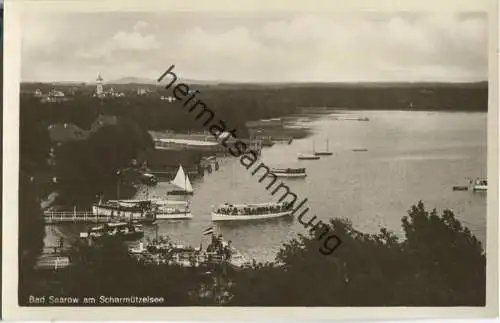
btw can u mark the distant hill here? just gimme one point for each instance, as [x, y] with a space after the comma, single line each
[140, 80]
[146, 81]
[394, 85]
[248, 85]
[132, 80]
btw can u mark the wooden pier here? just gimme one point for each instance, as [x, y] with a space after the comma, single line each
[169, 172]
[52, 262]
[75, 217]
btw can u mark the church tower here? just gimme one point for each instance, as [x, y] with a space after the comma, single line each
[99, 86]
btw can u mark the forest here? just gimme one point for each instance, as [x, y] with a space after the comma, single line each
[237, 104]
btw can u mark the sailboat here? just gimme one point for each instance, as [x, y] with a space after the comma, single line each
[181, 181]
[305, 156]
[324, 153]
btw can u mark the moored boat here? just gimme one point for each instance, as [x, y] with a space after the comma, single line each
[308, 156]
[125, 210]
[238, 212]
[303, 156]
[480, 184]
[179, 192]
[122, 230]
[289, 172]
[165, 252]
[323, 153]
[326, 152]
[163, 209]
[172, 210]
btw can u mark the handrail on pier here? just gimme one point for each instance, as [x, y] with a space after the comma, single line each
[73, 216]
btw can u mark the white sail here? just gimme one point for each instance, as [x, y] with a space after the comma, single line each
[181, 180]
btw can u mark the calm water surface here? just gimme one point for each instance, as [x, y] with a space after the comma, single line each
[411, 156]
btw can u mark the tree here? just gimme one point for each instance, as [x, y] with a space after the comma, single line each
[440, 263]
[90, 167]
[34, 141]
[31, 232]
[448, 258]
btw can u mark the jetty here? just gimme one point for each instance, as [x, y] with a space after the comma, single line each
[52, 262]
[54, 257]
[52, 217]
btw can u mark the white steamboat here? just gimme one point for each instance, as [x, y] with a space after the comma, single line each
[239, 212]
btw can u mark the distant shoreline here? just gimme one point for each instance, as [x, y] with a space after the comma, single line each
[244, 85]
[272, 100]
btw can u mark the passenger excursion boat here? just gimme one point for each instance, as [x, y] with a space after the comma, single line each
[125, 209]
[235, 212]
[122, 230]
[172, 210]
[182, 182]
[289, 172]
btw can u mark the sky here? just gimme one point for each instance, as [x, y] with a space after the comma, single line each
[256, 46]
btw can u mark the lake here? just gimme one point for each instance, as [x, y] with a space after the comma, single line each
[410, 156]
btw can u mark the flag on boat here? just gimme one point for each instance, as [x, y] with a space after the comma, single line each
[208, 231]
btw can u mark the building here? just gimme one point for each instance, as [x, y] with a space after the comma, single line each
[51, 97]
[99, 90]
[56, 94]
[170, 99]
[111, 93]
[143, 91]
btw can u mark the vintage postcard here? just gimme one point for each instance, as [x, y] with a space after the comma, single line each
[213, 160]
